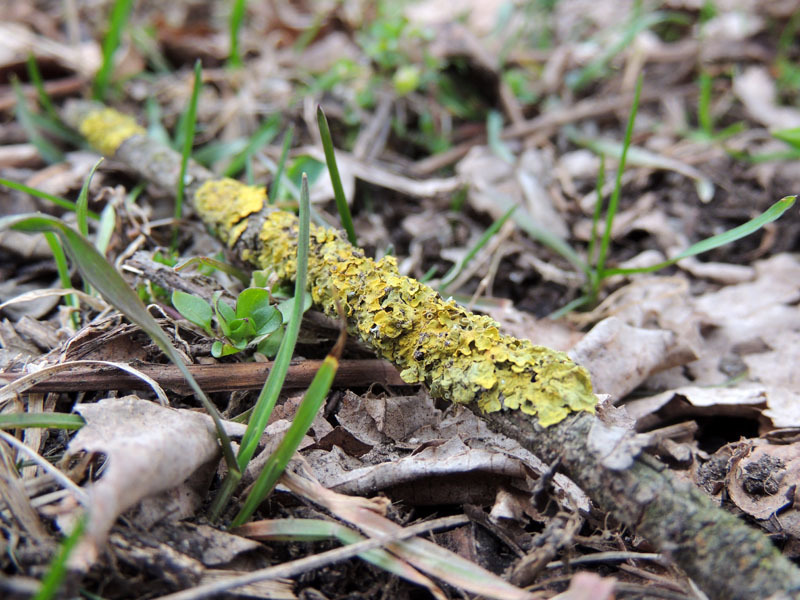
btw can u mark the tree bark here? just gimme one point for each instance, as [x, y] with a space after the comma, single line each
[725, 557]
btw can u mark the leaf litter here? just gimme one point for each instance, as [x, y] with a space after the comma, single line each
[700, 358]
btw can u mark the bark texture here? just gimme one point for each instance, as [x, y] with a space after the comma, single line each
[727, 558]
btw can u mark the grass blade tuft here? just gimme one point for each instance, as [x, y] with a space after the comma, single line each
[106, 279]
[336, 180]
[272, 386]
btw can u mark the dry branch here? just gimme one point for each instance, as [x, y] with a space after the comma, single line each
[518, 388]
[212, 378]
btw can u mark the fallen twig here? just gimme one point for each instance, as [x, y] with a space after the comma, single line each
[523, 391]
[226, 377]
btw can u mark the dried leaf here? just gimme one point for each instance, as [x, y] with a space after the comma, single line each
[148, 449]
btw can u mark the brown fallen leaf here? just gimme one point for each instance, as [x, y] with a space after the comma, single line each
[762, 479]
[148, 449]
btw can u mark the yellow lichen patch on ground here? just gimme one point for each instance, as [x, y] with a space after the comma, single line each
[461, 356]
[225, 204]
[106, 129]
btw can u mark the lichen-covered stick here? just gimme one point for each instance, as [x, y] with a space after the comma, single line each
[534, 394]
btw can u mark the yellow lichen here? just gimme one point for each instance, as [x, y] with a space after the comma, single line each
[461, 356]
[225, 204]
[106, 129]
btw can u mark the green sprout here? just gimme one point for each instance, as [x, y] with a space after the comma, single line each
[253, 323]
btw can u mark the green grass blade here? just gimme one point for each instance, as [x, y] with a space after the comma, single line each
[155, 128]
[60, 202]
[428, 275]
[494, 127]
[456, 269]
[119, 17]
[50, 121]
[46, 149]
[106, 279]
[61, 260]
[552, 241]
[276, 463]
[272, 386]
[569, 307]
[704, 118]
[598, 207]
[186, 150]
[597, 66]
[768, 216]
[235, 26]
[58, 568]
[336, 180]
[56, 129]
[263, 136]
[789, 136]
[311, 530]
[62, 268]
[275, 188]
[613, 202]
[68, 421]
[82, 205]
[44, 98]
[108, 223]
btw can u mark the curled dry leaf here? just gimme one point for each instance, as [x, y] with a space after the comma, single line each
[620, 357]
[149, 449]
[743, 401]
[447, 451]
[757, 91]
[588, 586]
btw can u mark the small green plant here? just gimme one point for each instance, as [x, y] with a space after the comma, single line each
[58, 567]
[705, 118]
[595, 267]
[103, 277]
[254, 322]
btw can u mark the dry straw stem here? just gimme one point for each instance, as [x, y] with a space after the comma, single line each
[462, 357]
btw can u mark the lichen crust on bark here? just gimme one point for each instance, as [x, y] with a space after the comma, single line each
[106, 129]
[461, 356]
[223, 205]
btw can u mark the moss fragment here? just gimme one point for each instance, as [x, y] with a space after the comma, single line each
[106, 129]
